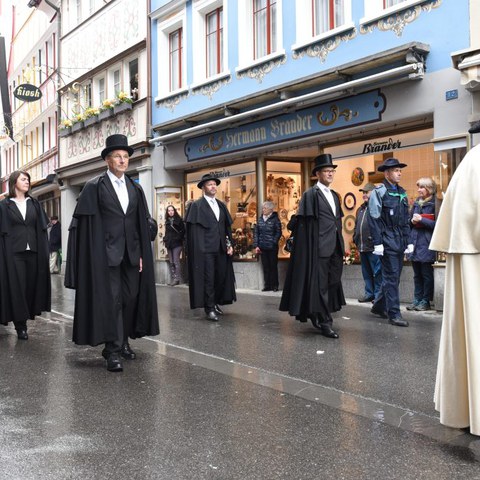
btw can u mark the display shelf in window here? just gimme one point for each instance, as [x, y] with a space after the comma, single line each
[165, 196]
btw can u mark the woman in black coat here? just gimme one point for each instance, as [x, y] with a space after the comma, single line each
[173, 240]
[422, 221]
[266, 235]
[24, 256]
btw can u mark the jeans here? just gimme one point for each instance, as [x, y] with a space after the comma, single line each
[423, 280]
[372, 274]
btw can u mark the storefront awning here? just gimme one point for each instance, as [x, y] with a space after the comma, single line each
[400, 64]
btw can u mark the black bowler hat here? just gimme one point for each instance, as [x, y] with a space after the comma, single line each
[390, 163]
[206, 178]
[475, 128]
[116, 142]
[321, 161]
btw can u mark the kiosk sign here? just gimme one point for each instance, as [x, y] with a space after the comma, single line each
[27, 92]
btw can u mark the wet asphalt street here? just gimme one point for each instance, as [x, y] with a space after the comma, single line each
[254, 396]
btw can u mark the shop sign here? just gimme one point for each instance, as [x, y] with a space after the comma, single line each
[335, 115]
[27, 92]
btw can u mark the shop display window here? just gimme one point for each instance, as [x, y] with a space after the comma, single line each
[164, 197]
[238, 190]
[283, 188]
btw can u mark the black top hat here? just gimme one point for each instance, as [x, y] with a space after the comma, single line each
[390, 163]
[206, 178]
[321, 161]
[475, 128]
[116, 142]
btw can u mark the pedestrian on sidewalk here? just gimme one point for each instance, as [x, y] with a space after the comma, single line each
[24, 272]
[457, 232]
[55, 244]
[313, 285]
[211, 280]
[422, 220]
[266, 235]
[371, 264]
[389, 225]
[173, 241]
[110, 260]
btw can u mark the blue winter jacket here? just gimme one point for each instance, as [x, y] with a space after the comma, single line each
[420, 236]
[267, 233]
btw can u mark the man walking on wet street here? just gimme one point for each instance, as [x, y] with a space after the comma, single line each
[211, 279]
[110, 260]
[389, 226]
[313, 286]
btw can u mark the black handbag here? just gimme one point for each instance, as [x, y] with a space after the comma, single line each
[289, 244]
[152, 228]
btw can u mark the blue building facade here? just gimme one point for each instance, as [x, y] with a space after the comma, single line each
[253, 90]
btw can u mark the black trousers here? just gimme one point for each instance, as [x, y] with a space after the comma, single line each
[26, 267]
[124, 282]
[270, 268]
[214, 271]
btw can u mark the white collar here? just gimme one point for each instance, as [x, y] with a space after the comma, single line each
[210, 199]
[113, 178]
[323, 187]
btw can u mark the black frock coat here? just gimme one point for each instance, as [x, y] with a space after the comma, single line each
[87, 271]
[199, 220]
[12, 306]
[317, 233]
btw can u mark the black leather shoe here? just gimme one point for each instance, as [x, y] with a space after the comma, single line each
[266, 289]
[114, 364]
[398, 321]
[212, 316]
[22, 334]
[275, 289]
[379, 312]
[329, 332]
[365, 299]
[218, 310]
[127, 353]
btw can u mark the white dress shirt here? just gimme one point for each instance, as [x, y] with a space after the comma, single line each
[214, 206]
[329, 196]
[120, 188]
[22, 206]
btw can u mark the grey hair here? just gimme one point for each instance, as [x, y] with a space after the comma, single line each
[428, 183]
[269, 205]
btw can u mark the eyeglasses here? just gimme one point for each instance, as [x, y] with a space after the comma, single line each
[328, 171]
[117, 156]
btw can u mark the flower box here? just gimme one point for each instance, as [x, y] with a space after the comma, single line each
[122, 107]
[63, 132]
[77, 126]
[104, 114]
[91, 120]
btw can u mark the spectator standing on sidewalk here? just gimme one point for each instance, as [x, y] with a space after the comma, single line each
[173, 240]
[389, 225]
[24, 270]
[371, 264]
[457, 232]
[266, 235]
[55, 244]
[422, 220]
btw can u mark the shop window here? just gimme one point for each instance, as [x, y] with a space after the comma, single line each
[283, 188]
[238, 190]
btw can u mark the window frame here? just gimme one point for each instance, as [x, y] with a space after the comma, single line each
[175, 78]
[218, 42]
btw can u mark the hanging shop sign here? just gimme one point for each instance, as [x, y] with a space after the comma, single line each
[27, 92]
[335, 115]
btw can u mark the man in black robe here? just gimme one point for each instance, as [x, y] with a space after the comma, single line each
[209, 245]
[110, 261]
[313, 287]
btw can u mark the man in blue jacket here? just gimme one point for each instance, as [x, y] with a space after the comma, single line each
[389, 226]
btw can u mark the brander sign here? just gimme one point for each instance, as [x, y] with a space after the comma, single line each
[27, 92]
